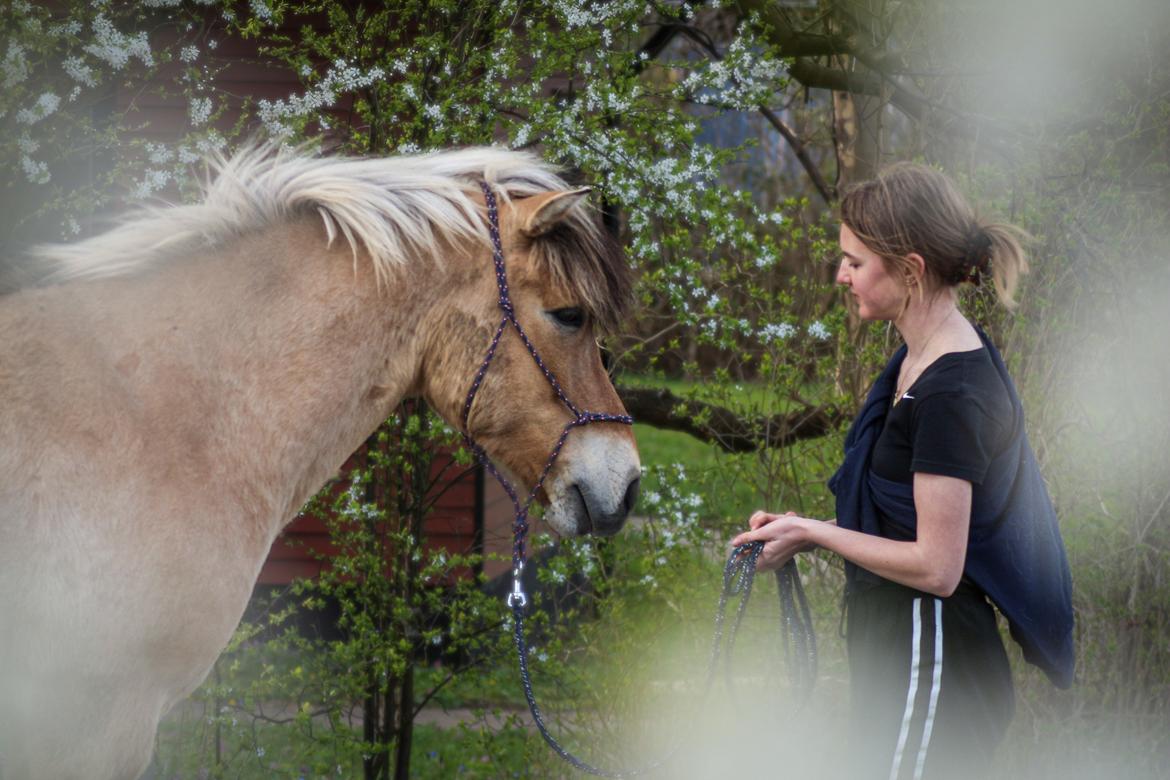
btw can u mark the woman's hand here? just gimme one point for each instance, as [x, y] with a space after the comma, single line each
[783, 537]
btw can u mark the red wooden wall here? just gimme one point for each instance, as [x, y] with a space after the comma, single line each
[451, 526]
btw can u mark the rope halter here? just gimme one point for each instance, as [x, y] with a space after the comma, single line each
[517, 599]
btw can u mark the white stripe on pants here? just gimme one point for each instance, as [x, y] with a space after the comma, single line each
[912, 690]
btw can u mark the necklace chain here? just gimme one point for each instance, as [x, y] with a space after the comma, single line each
[906, 373]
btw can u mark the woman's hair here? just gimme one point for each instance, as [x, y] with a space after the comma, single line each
[911, 208]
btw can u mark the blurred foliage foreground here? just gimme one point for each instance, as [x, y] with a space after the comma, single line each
[718, 136]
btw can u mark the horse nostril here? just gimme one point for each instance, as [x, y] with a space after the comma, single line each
[631, 496]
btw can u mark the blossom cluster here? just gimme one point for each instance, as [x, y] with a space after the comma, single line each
[116, 48]
[278, 115]
[774, 332]
[746, 77]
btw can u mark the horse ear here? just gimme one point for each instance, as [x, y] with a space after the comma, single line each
[547, 209]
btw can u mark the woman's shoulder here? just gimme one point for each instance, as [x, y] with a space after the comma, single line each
[967, 376]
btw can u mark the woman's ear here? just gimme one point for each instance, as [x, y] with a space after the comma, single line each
[916, 269]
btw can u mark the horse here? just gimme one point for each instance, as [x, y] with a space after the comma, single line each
[180, 385]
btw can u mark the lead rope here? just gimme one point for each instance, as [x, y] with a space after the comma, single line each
[738, 573]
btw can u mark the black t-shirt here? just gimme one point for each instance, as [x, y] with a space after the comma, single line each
[952, 421]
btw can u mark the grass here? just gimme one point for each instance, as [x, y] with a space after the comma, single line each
[733, 485]
[267, 752]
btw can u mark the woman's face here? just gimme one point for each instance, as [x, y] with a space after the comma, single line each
[879, 295]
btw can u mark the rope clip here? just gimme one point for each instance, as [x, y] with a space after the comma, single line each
[517, 597]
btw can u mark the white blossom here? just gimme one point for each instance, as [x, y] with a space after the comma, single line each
[261, 10]
[743, 79]
[199, 111]
[210, 143]
[77, 70]
[46, 104]
[189, 53]
[116, 48]
[521, 135]
[776, 331]
[818, 330]
[36, 171]
[67, 28]
[341, 77]
[152, 181]
[765, 257]
[159, 154]
[15, 65]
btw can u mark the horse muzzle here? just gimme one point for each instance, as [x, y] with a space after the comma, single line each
[596, 518]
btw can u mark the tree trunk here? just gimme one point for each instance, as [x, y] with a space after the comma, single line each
[857, 140]
[857, 137]
[405, 725]
[370, 731]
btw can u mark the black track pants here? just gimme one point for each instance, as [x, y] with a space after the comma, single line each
[931, 686]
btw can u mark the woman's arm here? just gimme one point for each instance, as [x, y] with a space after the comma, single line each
[933, 563]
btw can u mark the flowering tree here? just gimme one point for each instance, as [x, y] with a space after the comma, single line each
[606, 89]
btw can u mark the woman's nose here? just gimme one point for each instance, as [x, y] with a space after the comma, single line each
[842, 276]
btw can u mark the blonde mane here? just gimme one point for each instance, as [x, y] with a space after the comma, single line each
[396, 208]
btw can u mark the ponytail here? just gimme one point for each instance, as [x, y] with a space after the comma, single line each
[1005, 259]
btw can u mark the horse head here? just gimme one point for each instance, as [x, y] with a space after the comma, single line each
[567, 281]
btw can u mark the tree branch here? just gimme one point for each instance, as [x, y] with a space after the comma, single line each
[828, 192]
[879, 67]
[820, 77]
[663, 409]
[802, 43]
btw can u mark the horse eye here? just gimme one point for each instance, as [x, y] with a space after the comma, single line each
[569, 317]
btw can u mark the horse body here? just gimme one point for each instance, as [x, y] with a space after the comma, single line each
[159, 428]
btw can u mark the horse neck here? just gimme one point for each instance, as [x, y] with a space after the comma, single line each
[283, 352]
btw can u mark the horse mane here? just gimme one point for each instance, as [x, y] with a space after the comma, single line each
[397, 209]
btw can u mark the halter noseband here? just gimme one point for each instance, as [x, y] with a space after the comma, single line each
[517, 598]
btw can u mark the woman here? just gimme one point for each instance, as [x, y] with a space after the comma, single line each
[940, 505]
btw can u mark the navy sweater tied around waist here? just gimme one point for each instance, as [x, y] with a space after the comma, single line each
[1014, 551]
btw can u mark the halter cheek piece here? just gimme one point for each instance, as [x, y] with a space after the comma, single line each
[580, 417]
[738, 574]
